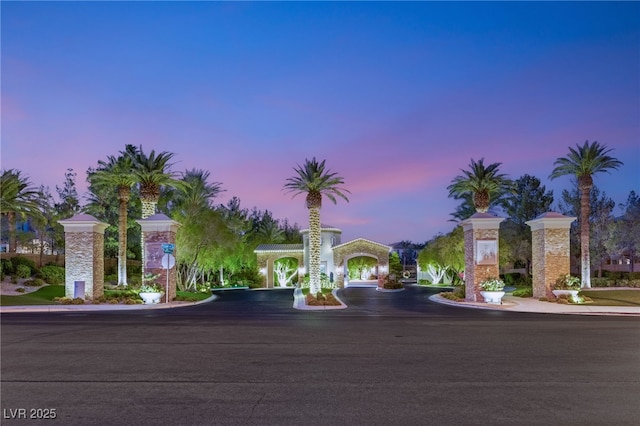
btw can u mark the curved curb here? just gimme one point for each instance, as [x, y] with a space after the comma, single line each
[100, 307]
[299, 302]
[533, 308]
[389, 290]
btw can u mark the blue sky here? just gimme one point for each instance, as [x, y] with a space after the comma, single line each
[397, 97]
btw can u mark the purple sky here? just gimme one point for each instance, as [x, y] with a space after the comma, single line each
[397, 97]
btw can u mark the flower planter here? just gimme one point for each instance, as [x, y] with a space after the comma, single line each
[150, 298]
[493, 297]
[573, 294]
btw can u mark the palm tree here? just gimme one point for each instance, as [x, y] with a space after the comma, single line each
[17, 198]
[117, 172]
[198, 192]
[583, 163]
[315, 181]
[152, 172]
[484, 184]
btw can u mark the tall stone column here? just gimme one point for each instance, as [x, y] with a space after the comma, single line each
[481, 233]
[84, 256]
[157, 230]
[550, 250]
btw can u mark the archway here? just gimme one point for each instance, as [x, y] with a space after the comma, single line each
[360, 247]
[268, 254]
[361, 270]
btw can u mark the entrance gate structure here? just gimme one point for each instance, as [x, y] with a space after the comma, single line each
[268, 254]
[360, 247]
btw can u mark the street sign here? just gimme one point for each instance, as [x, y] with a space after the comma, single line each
[168, 248]
[168, 261]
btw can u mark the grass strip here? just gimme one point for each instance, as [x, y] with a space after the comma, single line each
[613, 297]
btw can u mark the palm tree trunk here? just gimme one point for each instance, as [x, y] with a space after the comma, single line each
[122, 241]
[11, 218]
[148, 209]
[314, 250]
[585, 212]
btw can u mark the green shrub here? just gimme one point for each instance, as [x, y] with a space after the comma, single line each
[111, 278]
[523, 292]
[52, 274]
[36, 282]
[19, 260]
[451, 296]
[511, 278]
[23, 271]
[7, 266]
[460, 292]
[20, 290]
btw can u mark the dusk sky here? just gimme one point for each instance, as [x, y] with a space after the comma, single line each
[397, 97]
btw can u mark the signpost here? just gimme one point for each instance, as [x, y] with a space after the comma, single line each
[168, 262]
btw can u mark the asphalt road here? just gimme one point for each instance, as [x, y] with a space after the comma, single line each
[248, 358]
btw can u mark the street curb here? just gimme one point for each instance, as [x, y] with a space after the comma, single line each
[513, 306]
[298, 302]
[100, 308]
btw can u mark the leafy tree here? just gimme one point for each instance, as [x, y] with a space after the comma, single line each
[528, 200]
[69, 202]
[583, 162]
[17, 199]
[602, 224]
[626, 235]
[483, 183]
[395, 266]
[285, 270]
[313, 180]
[515, 245]
[359, 267]
[205, 241]
[447, 249]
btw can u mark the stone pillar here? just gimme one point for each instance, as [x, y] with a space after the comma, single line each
[84, 256]
[550, 250]
[157, 230]
[481, 259]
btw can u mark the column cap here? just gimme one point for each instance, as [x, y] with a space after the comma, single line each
[482, 221]
[550, 220]
[158, 222]
[83, 223]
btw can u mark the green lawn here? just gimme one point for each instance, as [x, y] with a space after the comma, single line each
[42, 296]
[613, 297]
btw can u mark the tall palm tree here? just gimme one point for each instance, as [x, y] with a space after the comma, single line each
[483, 183]
[152, 172]
[17, 198]
[117, 172]
[315, 181]
[583, 163]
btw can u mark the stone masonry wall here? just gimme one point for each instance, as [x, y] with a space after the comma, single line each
[550, 258]
[153, 256]
[98, 265]
[475, 274]
[84, 262]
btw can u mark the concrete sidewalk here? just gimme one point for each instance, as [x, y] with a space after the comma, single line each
[529, 304]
